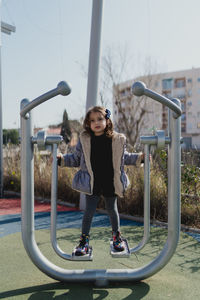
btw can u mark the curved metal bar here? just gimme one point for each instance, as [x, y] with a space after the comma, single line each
[146, 201]
[139, 89]
[54, 183]
[101, 276]
[49, 139]
[62, 89]
[153, 140]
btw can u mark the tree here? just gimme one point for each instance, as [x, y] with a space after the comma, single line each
[65, 128]
[116, 66]
[10, 136]
[131, 118]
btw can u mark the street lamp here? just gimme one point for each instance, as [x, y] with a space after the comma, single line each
[5, 28]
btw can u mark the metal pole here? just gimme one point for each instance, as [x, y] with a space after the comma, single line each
[93, 68]
[27, 179]
[54, 184]
[146, 201]
[174, 177]
[94, 57]
[6, 28]
[1, 135]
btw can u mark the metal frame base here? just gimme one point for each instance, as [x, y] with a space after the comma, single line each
[126, 253]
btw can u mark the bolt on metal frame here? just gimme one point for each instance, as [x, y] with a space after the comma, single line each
[101, 276]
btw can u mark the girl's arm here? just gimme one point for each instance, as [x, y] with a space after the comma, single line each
[72, 159]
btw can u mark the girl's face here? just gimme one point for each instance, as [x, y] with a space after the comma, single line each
[97, 123]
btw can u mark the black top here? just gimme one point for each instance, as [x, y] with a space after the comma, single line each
[102, 165]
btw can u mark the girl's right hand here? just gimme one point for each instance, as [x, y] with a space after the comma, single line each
[59, 156]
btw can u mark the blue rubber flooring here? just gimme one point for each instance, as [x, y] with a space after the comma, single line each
[65, 219]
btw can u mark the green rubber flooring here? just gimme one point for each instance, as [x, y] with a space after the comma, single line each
[179, 279]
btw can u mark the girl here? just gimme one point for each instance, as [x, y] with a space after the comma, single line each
[101, 156]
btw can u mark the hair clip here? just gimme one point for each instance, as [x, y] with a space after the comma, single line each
[108, 113]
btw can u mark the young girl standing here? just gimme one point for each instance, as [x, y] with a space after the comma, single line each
[101, 156]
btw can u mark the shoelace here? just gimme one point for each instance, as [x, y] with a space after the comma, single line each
[83, 241]
[118, 240]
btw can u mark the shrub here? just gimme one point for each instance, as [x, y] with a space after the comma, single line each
[132, 202]
[42, 175]
[11, 164]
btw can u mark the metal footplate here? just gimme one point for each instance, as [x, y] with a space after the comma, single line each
[120, 254]
[86, 257]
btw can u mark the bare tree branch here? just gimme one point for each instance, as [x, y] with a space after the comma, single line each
[130, 110]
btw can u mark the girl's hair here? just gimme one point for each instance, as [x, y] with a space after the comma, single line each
[101, 110]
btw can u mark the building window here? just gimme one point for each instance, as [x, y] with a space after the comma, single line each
[198, 115]
[179, 82]
[189, 115]
[189, 103]
[167, 84]
[123, 93]
[198, 125]
[183, 128]
[183, 117]
[190, 126]
[167, 94]
[198, 79]
[183, 106]
[181, 96]
[189, 80]
[189, 93]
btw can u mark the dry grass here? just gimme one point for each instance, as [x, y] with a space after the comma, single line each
[131, 204]
[42, 176]
[12, 174]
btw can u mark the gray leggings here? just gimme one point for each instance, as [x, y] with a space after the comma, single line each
[91, 204]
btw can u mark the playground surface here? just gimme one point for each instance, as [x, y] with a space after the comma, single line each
[20, 279]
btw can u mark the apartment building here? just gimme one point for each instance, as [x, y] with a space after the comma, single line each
[184, 85]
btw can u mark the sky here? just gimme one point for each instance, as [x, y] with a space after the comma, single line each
[52, 40]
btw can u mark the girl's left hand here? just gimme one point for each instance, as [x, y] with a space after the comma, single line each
[142, 157]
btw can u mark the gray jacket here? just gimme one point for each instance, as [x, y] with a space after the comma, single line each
[83, 180]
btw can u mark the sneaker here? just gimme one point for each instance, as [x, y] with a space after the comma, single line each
[118, 243]
[83, 247]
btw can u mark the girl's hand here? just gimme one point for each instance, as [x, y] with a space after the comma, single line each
[59, 156]
[142, 158]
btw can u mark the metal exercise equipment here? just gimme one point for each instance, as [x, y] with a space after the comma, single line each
[100, 276]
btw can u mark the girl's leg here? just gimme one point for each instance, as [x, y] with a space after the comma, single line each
[91, 204]
[111, 206]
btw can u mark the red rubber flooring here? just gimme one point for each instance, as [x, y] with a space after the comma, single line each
[13, 206]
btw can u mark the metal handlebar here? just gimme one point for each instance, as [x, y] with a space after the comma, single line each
[140, 89]
[54, 184]
[62, 88]
[159, 140]
[146, 201]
